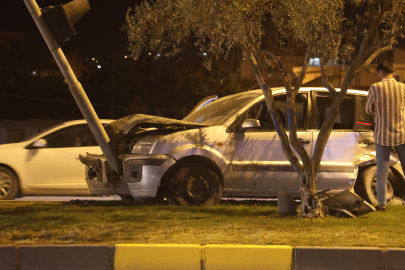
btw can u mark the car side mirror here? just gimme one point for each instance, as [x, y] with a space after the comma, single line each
[41, 143]
[250, 123]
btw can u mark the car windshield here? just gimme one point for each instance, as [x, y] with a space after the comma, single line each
[216, 112]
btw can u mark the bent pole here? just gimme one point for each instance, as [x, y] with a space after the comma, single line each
[75, 87]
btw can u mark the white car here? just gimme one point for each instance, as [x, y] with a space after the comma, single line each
[48, 162]
[230, 148]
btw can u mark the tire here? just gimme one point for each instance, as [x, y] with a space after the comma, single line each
[195, 186]
[366, 185]
[9, 184]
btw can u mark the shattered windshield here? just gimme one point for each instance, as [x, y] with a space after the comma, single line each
[216, 112]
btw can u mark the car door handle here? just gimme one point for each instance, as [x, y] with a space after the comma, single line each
[303, 141]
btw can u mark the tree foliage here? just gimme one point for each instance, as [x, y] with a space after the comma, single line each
[337, 31]
[214, 27]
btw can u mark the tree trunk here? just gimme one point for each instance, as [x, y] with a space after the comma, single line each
[310, 206]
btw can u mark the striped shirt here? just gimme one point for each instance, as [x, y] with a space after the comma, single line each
[386, 101]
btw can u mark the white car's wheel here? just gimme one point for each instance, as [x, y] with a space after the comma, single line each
[366, 185]
[9, 185]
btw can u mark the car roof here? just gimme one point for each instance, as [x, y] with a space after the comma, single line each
[279, 90]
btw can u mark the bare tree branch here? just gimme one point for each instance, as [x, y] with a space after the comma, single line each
[304, 68]
[372, 57]
[283, 76]
[258, 52]
[374, 25]
[325, 59]
[325, 81]
[377, 49]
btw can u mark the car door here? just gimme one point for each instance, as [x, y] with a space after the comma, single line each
[57, 166]
[351, 128]
[259, 166]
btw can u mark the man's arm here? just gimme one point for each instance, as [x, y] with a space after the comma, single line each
[370, 109]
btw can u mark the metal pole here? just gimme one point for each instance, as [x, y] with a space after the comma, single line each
[75, 88]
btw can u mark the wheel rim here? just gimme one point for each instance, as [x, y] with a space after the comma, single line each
[390, 191]
[6, 184]
[194, 189]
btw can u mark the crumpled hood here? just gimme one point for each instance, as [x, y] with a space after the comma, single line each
[137, 123]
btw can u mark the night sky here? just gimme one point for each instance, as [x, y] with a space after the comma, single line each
[98, 32]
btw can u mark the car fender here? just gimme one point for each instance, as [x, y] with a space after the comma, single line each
[14, 162]
[200, 150]
[370, 158]
[365, 160]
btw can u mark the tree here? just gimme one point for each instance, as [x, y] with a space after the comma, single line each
[218, 26]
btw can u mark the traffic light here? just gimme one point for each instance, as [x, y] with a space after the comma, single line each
[62, 18]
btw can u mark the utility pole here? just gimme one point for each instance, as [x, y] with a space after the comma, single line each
[76, 9]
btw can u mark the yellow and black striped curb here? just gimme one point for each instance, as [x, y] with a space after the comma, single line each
[198, 257]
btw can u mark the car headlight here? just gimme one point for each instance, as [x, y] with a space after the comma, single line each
[145, 145]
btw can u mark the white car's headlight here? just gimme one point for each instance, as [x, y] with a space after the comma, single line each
[145, 145]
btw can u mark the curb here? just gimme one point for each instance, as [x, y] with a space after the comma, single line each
[198, 257]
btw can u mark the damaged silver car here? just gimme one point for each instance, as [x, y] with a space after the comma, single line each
[229, 148]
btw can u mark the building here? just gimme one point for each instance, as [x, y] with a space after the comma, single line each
[292, 54]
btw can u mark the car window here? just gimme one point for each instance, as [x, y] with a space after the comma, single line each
[364, 121]
[40, 133]
[218, 111]
[259, 111]
[345, 118]
[74, 136]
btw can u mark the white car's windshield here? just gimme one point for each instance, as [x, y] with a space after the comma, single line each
[216, 112]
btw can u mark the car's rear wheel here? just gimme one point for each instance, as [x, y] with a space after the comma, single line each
[196, 186]
[366, 185]
[9, 185]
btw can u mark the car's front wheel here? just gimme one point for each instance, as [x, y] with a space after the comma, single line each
[196, 186]
[366, 185]
[9, 185]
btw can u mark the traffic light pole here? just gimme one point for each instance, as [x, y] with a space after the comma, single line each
[75, 88]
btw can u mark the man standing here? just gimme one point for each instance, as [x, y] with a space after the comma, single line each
[386, 101]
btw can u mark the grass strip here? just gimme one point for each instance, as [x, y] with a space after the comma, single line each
[246, 222]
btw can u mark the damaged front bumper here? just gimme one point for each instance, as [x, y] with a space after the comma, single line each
[141, 174]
